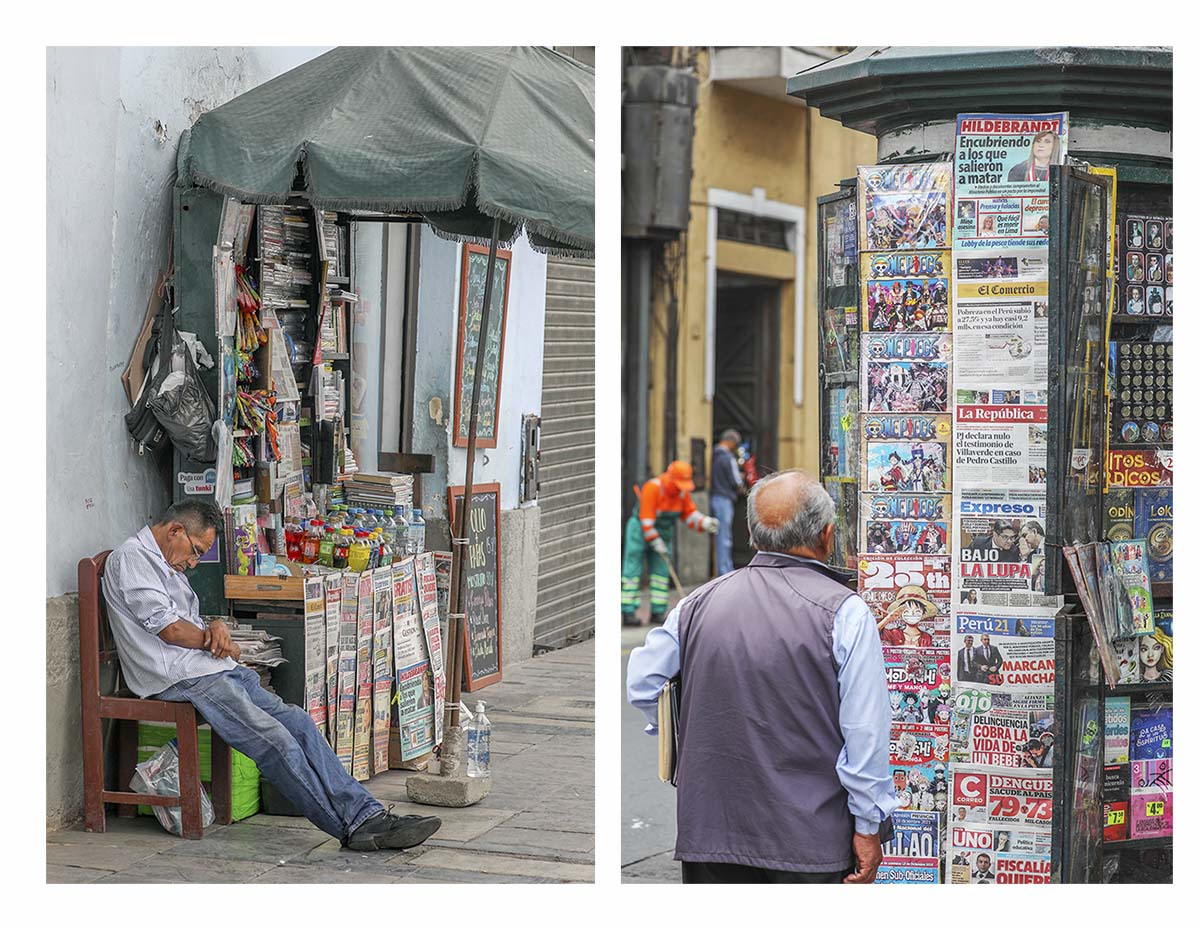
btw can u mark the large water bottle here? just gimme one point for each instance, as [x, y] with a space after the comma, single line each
[388, 523]
[400, 546]
[416, 533]
[479, 742]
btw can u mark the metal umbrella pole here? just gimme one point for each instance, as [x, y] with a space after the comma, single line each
[455, 636]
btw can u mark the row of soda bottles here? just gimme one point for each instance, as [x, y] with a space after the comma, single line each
[354, 538]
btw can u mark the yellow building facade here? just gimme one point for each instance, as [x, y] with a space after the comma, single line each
[745, 312]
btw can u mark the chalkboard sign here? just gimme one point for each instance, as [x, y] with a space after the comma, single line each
[482, 595]
[470, 314]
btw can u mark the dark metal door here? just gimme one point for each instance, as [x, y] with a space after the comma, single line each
[746, 389]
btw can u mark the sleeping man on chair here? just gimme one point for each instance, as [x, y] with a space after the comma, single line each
[168, 653]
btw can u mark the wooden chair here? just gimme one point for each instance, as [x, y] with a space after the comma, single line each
[96, 645]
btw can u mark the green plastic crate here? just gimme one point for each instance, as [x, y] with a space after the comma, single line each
[244, 790]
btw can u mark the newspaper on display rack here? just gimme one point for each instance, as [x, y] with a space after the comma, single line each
[1008, 738]
[980, 855]
[1001, 178]
[1010, 653]
[1000, 544]
[1000, 437]
[1001, 798]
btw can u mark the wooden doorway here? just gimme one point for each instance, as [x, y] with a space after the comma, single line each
[746, 388]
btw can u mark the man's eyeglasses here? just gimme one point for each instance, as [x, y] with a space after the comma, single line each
[1009, 536]
[197, 551]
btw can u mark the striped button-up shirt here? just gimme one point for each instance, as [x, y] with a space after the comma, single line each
[145, 595]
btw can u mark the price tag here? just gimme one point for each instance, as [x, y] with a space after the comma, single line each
[1114, 818]
[1154, 808]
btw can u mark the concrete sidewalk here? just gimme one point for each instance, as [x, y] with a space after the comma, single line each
[537, 825]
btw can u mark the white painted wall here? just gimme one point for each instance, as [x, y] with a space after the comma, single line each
[521, 380]
[113, 121]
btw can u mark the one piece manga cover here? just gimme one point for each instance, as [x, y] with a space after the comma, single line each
[906, 292]
[913, 855]
[903, 206]
[906, 452]
[904, 523]
[906, 373]
[909, 596]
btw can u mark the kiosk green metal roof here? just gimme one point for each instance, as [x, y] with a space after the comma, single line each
[881, 89]
[461, 136]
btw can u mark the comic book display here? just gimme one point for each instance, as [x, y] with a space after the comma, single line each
[906, 291]
[903, 206]
[905, 373]
[904, 509]
[909, 596]
[905, 453]
[904, 523]
[913, 856]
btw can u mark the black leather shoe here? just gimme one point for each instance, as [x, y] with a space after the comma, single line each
[630, 620]
[388, 831]
[658, 619]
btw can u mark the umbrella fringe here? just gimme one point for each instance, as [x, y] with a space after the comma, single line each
[562, 244]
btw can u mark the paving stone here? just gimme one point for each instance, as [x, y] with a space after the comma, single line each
[142, 832]
[292, 874]
[111, 858]
[557, 840]
[166, 868]
[72, 875]
[492, 864]
[452, 876]
[275, 845]
[569, 822]
[278, 820]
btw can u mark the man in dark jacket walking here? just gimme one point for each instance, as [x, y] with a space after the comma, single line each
[784, 718]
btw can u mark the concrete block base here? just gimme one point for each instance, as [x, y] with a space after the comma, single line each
[447, 790]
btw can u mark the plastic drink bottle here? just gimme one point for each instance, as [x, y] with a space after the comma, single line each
[325, 556]
[359, 556]
[293, 539]
[385, 552]
[400, 546]
[479, 744]
[416, 533]
[341, 547]
[312, 542]
[389, 527]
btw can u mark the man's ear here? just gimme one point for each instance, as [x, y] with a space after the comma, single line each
[827, 540]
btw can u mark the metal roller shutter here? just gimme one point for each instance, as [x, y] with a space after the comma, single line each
[567, 548]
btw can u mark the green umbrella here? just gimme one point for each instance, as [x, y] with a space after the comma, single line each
[461, 136]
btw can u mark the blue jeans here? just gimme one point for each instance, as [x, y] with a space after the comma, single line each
[722, 509]
[284, 743]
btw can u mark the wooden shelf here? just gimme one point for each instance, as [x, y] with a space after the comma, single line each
[264, 588]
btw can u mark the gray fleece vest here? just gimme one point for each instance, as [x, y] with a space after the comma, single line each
[758, 720]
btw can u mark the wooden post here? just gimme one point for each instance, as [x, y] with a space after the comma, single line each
[456, 632]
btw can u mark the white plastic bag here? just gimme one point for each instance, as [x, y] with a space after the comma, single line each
[160, 775]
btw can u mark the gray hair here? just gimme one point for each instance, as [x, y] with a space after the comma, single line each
[731, 435]
[814, 511]
[196, 515]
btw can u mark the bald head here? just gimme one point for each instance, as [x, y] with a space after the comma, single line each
[790, 512]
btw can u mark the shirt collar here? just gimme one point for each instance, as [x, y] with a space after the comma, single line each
[146, 537]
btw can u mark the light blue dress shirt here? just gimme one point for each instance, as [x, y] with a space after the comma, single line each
[864, 716]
